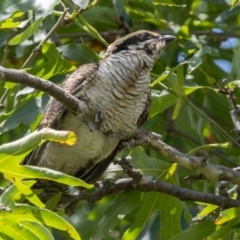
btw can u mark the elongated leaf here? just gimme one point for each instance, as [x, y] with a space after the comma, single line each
[32, 140]
[39, 230]
[26, 214]
[55, 65]
[27, 33]
[10, 23]
[234, 4]
[198, 231]
[153, 202]
[12, 154]
[79, 53]
[196, 59]
[123, 204]
[27, 219]
[228, 215]
[162, 101]
[209, 208]
[168, 3]
[26, 113]
[87, 27]
[7, 8]
[28, 193]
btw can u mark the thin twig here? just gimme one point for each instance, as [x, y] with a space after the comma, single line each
[201, 165]
[148, 184]
[235, 113]
[37, 49]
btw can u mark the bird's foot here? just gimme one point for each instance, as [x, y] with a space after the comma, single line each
[139, 138]
[90, 126]
[110, 134]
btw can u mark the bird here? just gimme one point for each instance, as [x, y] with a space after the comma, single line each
[114, 99]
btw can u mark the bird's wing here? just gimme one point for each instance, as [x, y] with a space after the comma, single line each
[143, 117]
[73, 83]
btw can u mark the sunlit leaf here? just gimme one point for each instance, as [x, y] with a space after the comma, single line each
[27, 33]
[56, 64]
[208, 209]
[7, 8]
[233, 84]
[228, 215]
[234, 4]
[11, 23]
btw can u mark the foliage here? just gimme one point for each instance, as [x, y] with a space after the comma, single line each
[186, 109]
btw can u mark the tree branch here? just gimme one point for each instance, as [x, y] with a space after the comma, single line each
[20, 76]
[146, 184]
[208, 170]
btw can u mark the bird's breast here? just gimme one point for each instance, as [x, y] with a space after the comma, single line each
[90, 148]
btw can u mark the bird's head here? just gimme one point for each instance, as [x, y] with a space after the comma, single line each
[141, 42]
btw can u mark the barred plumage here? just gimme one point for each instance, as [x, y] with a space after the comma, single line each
[114, 98]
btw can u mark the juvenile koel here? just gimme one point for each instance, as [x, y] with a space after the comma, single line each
[114, 100]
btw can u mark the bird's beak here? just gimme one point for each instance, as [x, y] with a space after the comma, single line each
[168, 38]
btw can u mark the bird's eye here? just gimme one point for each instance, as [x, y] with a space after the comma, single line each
[144, 35]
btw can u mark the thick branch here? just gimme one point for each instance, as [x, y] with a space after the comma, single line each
[20, 76]
[208, 170]
[147, 184]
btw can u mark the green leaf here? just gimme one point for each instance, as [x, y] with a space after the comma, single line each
[223, 230]
[32, 217]
[26, 113]
[197, 231]
[8, 8]
[88, 28]
[27, 143]
[52, 203]
[28, 193]
[233, 84]
[228, 215]
[196, 59]
[168, 3]
[11, 155]
[234, 4]
[55, 65]
[210, 79]
[176, 109]
[10, 23]
[153, 202]
[161, 78]
[27, 33]
[80, 53]
[39, 230]
[123, 204]
[12, 193]
[165, 99]
[27, 220]
[208, 209]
